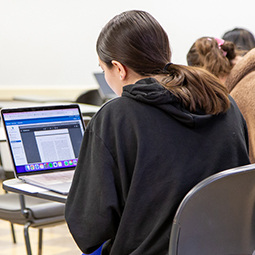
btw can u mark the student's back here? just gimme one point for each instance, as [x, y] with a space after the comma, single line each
[142, 152]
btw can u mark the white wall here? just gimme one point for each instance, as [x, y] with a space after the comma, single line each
[51, 43]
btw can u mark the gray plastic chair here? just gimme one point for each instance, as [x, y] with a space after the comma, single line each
[217, 216]
[92, 97]
[30, 212]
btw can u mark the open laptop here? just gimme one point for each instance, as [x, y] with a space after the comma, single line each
[104, 89]
[44, 142]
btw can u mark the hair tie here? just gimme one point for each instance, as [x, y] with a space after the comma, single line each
[220, 43]
[167, 66]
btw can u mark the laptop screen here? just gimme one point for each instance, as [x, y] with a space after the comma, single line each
[104, 88]
[44, 138]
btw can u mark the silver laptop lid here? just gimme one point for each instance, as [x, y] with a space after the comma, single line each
[44, 138]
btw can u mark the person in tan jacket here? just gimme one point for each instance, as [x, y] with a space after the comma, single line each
[236, 72]
[241, 86]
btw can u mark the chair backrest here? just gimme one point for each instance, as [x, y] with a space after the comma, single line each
[217, 216]
[92, 97]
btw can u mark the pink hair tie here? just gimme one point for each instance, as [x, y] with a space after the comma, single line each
[220, 43]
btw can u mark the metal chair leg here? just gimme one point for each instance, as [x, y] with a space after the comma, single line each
[40, 241]
[27, 241]
[13, 233]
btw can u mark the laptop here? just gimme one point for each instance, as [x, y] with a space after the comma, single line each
[44, 142]
[104, 89]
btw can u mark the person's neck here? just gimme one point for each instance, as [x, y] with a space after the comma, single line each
[132, 77]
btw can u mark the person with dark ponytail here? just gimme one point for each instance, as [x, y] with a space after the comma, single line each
[171, 127]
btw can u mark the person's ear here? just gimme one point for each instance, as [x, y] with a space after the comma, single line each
[122, 72]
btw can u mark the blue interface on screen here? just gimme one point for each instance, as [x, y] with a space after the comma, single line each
[45, 140]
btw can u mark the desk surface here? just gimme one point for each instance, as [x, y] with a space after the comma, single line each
[17, 186]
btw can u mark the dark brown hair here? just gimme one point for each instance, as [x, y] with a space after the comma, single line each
[215, 58]
[137, 40]
[242, 38]
[196, 87]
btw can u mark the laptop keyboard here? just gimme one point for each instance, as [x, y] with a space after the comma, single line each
[51, 178]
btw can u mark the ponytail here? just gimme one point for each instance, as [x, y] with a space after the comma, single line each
[146, 52]
[196, 88]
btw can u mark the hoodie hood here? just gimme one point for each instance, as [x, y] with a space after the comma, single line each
[149, 91]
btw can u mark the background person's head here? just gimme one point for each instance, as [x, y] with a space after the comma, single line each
[215, 55]
[136, 40]
[242, 38]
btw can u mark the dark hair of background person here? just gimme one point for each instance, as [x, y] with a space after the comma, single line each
[145, 49]
[242, 38]
[208, 54]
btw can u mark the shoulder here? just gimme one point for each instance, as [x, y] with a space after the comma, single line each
[114, 105]
[243, 68]
[112, 113]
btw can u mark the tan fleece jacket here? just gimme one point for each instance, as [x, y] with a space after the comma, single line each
[241, 85]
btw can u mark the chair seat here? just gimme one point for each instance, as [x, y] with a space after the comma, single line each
[30, 212]
[38, 209]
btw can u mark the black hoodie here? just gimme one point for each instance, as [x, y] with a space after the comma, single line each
[141, 153]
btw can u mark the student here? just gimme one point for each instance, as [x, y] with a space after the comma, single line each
[171, 127]
[219, 57]
[242, 38]
[213, 54]
[241, 86]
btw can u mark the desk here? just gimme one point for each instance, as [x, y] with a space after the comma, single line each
[18, 186]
